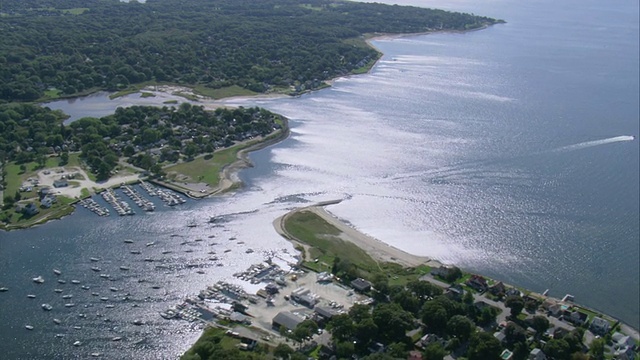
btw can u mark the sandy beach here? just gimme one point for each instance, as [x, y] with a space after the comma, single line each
[377, 249]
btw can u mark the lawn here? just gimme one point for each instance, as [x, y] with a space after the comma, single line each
[224, 92]
[325, 245]
[314, 231]
[205, 170]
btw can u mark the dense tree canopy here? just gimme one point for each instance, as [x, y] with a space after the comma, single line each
[74, 45]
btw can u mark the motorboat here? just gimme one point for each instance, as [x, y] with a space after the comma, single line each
[47, 307]
[75, 282]
[125, 268]
[117, 338]
[84, 287]
[57, 321]
[94, 259]
[57, 290]
[67, 296]
[135, 252]
[31, 296]
[38, 280]
[69, 305]
[128, 241]
[113, 289]
[96, 269]
[3, 289]
[28, 327]
[60, 281]
[77, 343]
[57, 272]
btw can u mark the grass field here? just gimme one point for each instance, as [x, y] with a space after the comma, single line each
[206, 171]
[228, 91]
[325, 245]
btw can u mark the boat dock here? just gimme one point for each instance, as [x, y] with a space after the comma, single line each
[121, 207]
[93, 206]
[140, 200]
[167, 196]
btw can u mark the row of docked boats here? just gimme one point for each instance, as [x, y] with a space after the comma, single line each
[168, 197]
[140, 200]
[121, 207]
[93, 206]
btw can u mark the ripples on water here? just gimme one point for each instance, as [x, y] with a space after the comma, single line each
[492, 150]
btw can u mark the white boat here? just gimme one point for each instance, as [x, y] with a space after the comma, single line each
[117, 338]
[57, 290]
[110, 306]
[28, 327]
[60, 281]
[75, 282]
[113, 289]
[128, 241]
[78, 327]
[69, 305]
[96, 269]
[151, 243]
[84, 287]
[38, 280]
[57, 321]
[57, 272]
[135, 252]
[94, 259]
[105, 276]
[31, 296]
[125, 268]
[77, 343]
[60, 335]
[104, 298]
[3, 289]
[47, 307]
[68, 296]
[96, 354]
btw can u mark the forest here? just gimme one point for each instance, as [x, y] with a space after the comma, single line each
[69, 47]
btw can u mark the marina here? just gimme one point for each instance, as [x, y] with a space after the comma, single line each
[93, 206]
[121, 207]
[138, 199]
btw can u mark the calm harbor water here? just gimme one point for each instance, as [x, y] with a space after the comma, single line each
[508, 151]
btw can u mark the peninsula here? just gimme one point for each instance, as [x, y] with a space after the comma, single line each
[352, 295]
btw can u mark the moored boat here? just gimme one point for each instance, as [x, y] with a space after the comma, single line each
[57, 272]
[47, 307]
[38, 280]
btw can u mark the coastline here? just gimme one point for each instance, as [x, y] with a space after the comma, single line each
[381, 251]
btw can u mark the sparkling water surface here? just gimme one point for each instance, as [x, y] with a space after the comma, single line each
[510, 151]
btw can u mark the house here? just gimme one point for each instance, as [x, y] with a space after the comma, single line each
[361, 285]
[575, 317]
[478, 283]
[599, 326]
[414, 355]
[324, 312]
[285, 319]
[429, 339]
[46, 202]
[443, 271]
[498, 289]
[31, 209]
[501, 336]
[537, 354]
[625, 353]
[455, 291]
[44, 191]
[620, 340]
[60, 183]
[304, 297]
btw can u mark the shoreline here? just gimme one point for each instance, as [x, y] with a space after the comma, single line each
[381, 251]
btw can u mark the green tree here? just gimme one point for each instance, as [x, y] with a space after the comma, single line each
[282, 351]
[540, 324]
[558, 349]
[596, 349]
[483, 346]
[434, 351]
[515, 304]
[345, 349]
[393, 322]
[461, 327]
[434, 316]
[341, 327]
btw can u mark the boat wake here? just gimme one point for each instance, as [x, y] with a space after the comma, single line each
[587, 144]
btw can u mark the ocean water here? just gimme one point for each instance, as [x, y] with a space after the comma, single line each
[511, 152]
